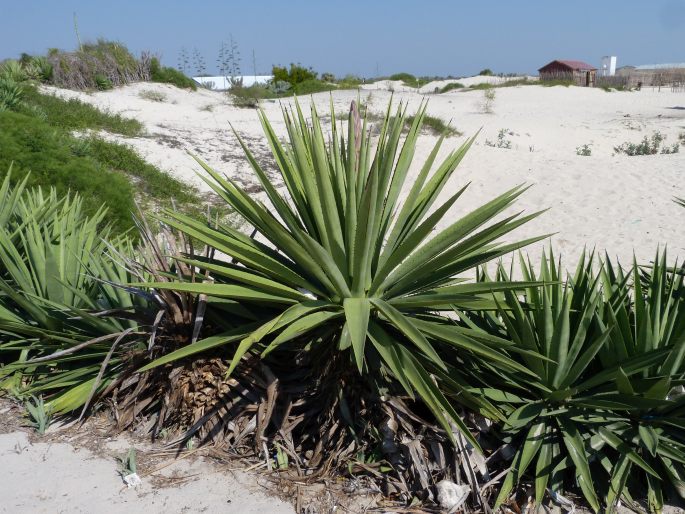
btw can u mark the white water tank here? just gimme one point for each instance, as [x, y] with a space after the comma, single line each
[608, 67]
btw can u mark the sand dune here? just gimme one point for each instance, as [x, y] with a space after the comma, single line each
[612, 203]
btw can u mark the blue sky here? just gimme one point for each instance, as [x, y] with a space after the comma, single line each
[424, 37]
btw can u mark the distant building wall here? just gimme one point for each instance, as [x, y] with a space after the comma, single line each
[560, 70]
[608, 67]
[221, 83]
[655, 77]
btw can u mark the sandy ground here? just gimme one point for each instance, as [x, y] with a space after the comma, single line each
[78, 473]
[613, 203]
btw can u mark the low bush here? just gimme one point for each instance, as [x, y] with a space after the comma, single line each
[167, 75]
[451, 86]
[311, 86]
[153, 96]
[487, 72]
[100, 65]
[502, 141]
[434, 125]
[296, 74]
[489, 96]
[556, 82]
[404, 77]
[11, 94]
[33, 146]
[152, 185]
[584, 150]
[74, 114]
[650, 145]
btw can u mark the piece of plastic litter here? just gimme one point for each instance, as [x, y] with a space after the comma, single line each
[451, 496]
[132, 480]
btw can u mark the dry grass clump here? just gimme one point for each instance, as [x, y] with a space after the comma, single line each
[153, 96]
[101, 65]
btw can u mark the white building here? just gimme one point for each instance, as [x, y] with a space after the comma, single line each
[221, 83]
[608, 66]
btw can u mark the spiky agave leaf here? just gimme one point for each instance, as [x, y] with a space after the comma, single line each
[646, 308]
[51, 339]
[569, 419]
[346, 264]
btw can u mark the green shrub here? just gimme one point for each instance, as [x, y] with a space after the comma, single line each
[100, 65]
[155, 185]
[584, 150]
[487, 72]
[312, 86]
[297, 74]
[43, 68]
[502, 141]
[166, 75]
[74, 114]
[102, 82]
[14, 71]
[434, 125]
[153, 96]
[34, 146]
[650, 145]
[10, 94]
[451, 86]
[404, 77]
[349, 82]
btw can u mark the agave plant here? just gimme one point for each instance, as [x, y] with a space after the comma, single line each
[54, 337]
[558, 420]
[647, 312]
[343, 269]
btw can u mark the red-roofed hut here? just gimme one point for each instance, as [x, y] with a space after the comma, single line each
[581, 73]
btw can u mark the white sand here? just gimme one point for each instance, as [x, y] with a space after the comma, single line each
[56, 477]
[613, 203]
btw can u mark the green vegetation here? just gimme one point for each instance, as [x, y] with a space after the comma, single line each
[75, 115]
[451, 86]
[297, 80]
[357, 288]
[38, 413]
[166, 75]
[36, 138]
[153, 96]
[650, 145]
[410, 80]
[487, 72]
[435, 125]
[598, 411]
[293, 76]
[34, 146]
[584, 150]
[369, 342]
[489, 96]
[502, 141]
[93, 66]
